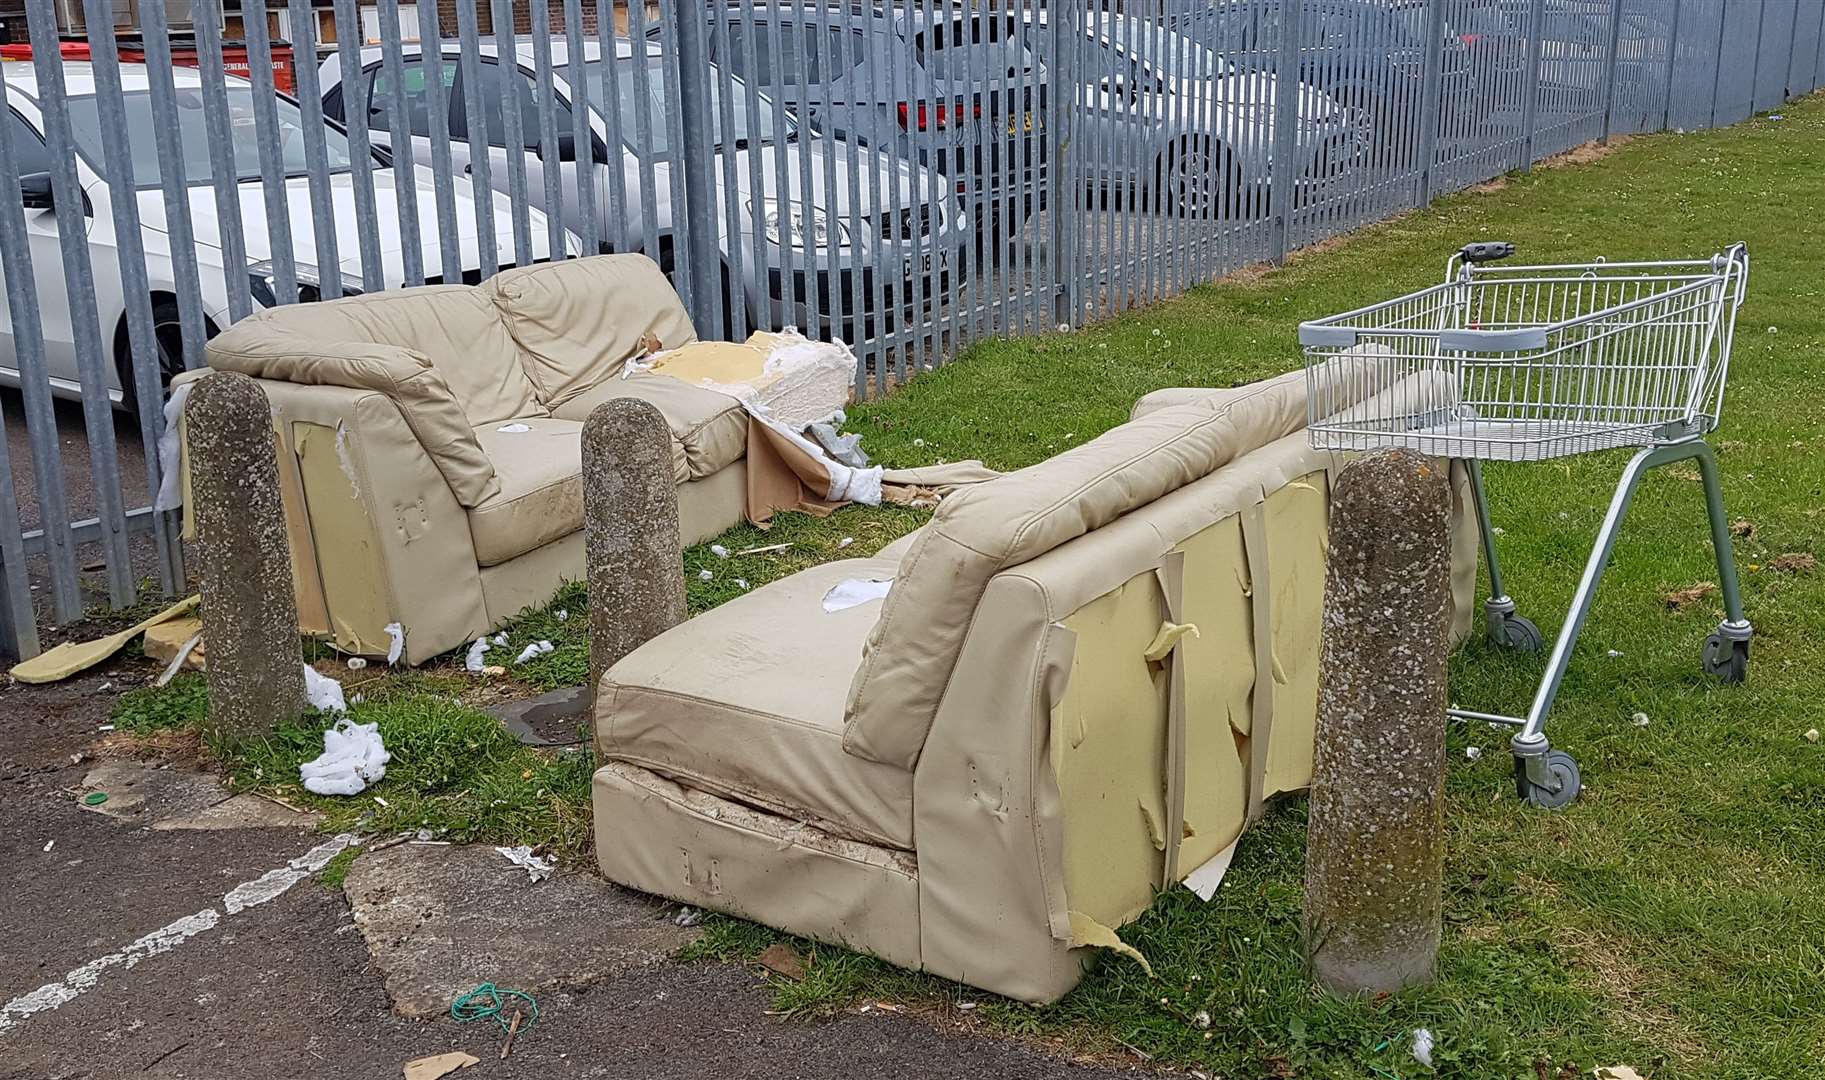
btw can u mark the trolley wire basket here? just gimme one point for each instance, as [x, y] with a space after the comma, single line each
[1529, 363]
[1544, 361]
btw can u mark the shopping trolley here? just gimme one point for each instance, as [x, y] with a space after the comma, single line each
[1528, 363]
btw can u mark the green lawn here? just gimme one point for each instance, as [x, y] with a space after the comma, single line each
[1672, 920]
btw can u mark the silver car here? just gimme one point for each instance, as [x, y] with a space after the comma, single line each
[1161, 110]
[762, 224]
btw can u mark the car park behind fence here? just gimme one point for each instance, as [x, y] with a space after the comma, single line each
[907, 177]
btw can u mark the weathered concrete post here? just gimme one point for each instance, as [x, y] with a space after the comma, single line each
[250, 612]
[1374, 848]
[630, 512]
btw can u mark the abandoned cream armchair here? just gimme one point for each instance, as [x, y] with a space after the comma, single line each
[1083, 682]
[430, 440]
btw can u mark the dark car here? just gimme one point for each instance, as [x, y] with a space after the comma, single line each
[953, 88]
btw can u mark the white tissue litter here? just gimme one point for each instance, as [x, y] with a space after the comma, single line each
[500, 638]
[356, 663]
[537, 648]
[855, 592]
[1473, 752]
[536, 868]
[398, 633]
[1422, 1047]
[561, 615]
[170, 480]
[719, 551]
[353, 757]
[512, 429]
[705, 575]
[323, 692]
[845, 541]
[741, 583]
[473, 661]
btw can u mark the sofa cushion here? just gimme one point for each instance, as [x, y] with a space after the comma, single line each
[541, 496]
[709, 430]
[455, 326]
[578, 321]
[988, 527]
[264, 347]
[746, 701]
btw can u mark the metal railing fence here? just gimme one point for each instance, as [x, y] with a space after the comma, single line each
[907, 176]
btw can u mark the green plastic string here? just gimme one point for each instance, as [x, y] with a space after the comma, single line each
[488, 1000]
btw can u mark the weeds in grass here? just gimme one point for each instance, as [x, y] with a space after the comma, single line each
[183, 702]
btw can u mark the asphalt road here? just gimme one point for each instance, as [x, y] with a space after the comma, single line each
[286, 989]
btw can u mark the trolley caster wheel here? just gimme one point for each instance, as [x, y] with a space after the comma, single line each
[1562, 769]
[1725, 658]
[1516, 632]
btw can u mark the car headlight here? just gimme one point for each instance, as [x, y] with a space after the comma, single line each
[263, 278]
[784, 222]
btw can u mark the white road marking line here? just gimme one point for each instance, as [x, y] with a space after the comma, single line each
[267, 886]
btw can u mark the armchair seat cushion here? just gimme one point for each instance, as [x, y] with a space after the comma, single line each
[746, 702]
[709, 430]
[541, 496]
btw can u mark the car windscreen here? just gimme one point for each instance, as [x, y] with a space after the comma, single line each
[193, 143]
[747, 125]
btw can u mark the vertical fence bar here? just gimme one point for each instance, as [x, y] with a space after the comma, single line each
[583, 132]
[266, 147]
[1666, 107]
[1530, 109]
[71, 210]
[1286, 125]
[855, 279]
[640, 76]
[1610, 58]
[760, 265]
[35, 388]
[355, 86]
[437, 112]
[831, 50]
[405, 164]
[1431, 91]
[1065, 194]
[475, 136]
[316, 150]
[693, 126]
[222, 170]
[511, 86]
[614, 226]
[545, 95]
[801, 154]
[175, 186]
[723, 117]
[790, 272]
[140, 377]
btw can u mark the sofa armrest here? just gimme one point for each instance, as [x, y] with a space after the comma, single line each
[376, 534]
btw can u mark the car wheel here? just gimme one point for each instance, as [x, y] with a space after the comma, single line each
[168, 335]
[1195, 179]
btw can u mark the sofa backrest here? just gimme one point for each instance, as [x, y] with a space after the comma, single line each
[455, 327]
[977, 532]
[577, 322]
[266, 346]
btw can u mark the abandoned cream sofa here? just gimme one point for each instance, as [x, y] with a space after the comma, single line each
[430, 440]
[985, 774]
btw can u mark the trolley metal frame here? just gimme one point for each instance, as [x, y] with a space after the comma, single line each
[1528, 363]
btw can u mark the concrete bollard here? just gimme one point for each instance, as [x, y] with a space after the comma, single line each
[630, 512]
[1375, 847]
[250, 612]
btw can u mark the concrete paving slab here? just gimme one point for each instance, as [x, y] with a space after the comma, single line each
[440, 921]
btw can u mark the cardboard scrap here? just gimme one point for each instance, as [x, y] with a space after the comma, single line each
[430, 1068]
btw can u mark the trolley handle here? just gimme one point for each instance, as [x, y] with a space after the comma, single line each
[1486, 251]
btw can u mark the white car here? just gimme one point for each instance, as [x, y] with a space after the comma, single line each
[32, 163]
